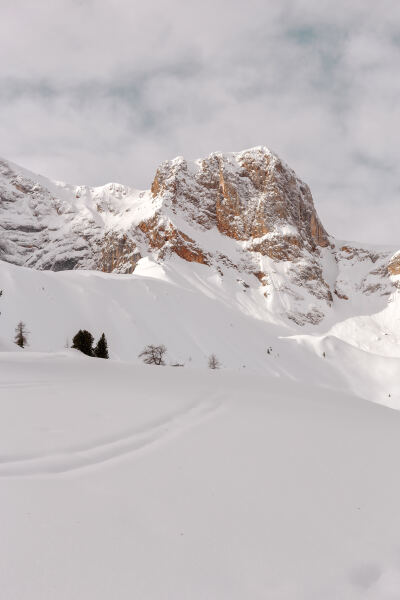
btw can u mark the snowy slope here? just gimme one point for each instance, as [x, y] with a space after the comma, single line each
[195, 312]
[115, 483]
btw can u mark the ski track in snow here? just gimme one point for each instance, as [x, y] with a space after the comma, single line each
[111, 448]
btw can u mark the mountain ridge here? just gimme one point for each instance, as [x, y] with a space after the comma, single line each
[245, 213]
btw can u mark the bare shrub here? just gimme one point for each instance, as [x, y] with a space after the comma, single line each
[213, 362]
[153, 355]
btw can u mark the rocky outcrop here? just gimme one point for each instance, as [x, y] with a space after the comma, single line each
[362, 270]
[169, 240]
[394, 265]
[118, 254]
[246, 196]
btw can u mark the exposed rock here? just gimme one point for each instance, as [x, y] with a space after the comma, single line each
[394, 265]
[167, 239]
[312, 317]
[340, 295]
[119, 254]
[247, 196]
[351, 252]
[262, 277]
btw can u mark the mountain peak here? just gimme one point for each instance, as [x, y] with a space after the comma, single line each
[243, 214]
[246, 195]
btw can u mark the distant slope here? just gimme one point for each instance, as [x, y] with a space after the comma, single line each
[195, 312]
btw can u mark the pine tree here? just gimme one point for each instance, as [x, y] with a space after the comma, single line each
[21, 333]
[83, 341]
[101, 349]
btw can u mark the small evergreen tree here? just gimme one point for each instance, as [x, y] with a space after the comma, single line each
[83, 341]
[101, 349]
[21, 335]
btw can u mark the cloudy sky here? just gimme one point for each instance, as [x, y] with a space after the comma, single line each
[103, 90]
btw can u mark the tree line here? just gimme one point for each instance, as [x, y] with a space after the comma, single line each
[83, 341]
[151, 354]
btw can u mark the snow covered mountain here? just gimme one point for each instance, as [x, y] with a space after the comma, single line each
[272, 478]
[244, 214]
[226, 255]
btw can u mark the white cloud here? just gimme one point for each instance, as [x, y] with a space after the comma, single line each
[97, 90]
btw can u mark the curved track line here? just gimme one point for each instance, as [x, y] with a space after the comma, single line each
[112, 448]
[105, 439]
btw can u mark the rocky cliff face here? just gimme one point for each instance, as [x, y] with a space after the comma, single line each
[394, 264]
[50, 225]
[245, 215]
[248, 196]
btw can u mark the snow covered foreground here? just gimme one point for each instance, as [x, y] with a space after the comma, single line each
[125, 481]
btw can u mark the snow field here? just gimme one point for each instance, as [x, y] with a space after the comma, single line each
[121, 480]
